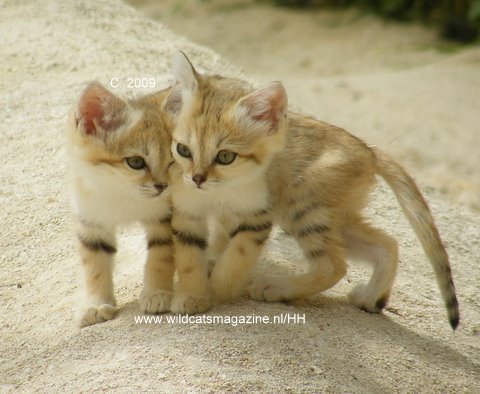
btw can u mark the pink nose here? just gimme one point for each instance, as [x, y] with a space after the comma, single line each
[199, 179]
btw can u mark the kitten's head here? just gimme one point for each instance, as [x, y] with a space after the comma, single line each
[225, 132]
[121, 146]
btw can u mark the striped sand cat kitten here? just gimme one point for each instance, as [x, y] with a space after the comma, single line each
[120, 153]
[246, 168]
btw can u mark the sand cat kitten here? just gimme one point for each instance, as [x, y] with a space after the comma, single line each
[120, 153]
[245, 167]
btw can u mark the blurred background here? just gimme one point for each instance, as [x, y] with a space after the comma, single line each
[400, 74]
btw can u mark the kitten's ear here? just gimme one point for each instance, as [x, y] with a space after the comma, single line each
[187, 83]
[184, 72]
[263, 109]
[174, 100]
[99, 110]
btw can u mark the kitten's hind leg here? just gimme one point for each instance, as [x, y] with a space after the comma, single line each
[325, 254]
[158, 275]
[97, 247]
[372, 245]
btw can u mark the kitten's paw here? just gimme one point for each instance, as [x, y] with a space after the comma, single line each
[186, 303]
[155, 301]
[95, 314]
[362, 298]
[266, 290]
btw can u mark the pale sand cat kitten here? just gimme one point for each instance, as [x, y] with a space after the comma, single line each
[243, 166]
[120, 154]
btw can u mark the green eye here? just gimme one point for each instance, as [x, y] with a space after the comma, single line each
[184, 151]
[136, 162]
[225, 157]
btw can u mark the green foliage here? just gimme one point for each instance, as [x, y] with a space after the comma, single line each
[474, 13]
[458, 19]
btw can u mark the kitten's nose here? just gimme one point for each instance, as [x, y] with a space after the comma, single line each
[160, 186]
[199, 179]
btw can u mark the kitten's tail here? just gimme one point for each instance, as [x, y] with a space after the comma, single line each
[418, 214]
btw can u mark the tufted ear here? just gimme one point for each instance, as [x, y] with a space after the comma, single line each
[264, 109]
[187, 83]
[184, 73]
[99, 111]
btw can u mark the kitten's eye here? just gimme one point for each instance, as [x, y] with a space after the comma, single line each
[136, 162]
[225, 157]
[184, 151]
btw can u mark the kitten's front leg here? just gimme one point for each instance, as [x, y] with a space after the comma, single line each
[97, 247]
[219, 238]
[231, 272]
[190, 239]
[158, 275]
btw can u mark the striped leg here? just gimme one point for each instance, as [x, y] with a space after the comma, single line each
[232, 270]
[218, 239]
[314, 230]
[192, 294]
[97, 247]
[327, 267]
[158, 275]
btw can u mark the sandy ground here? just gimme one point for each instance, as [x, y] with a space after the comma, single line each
[419, 103]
